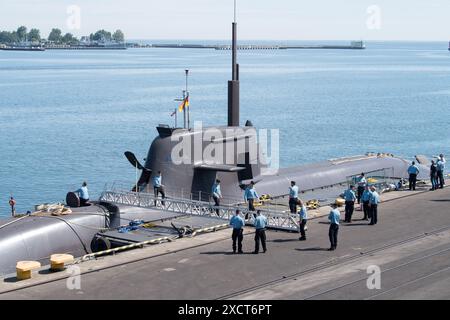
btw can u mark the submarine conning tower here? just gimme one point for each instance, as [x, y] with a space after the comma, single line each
[197, 175]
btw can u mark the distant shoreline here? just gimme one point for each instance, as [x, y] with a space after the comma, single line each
[354, 45]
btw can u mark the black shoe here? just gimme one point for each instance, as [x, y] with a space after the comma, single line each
[371, 224]
[331, 249]
[234, 251]
[302, 238]
[255, 252]
[240, 252]
[264, 251]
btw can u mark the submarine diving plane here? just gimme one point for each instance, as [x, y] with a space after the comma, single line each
[36, 237]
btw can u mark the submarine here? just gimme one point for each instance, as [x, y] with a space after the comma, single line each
[36, 237]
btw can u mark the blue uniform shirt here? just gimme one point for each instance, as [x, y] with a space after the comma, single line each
[413, 169]
[349, 195]
[440, 165]
[260, 222]
[334, 216]
[303, 213]
[362, 181]
[216, 190]
[156, 181]
[83, 193]
[374, 198]
[250, 194]
[237, 222]
[366, 195]
[293, 192]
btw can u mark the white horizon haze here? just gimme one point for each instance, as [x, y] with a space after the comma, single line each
[408, 20]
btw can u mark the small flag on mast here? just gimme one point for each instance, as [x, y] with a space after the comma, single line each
[184, 104]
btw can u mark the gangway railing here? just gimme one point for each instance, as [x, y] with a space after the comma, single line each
[276, 220]
[172, 192]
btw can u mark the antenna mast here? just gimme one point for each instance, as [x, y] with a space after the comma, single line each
[233, 84]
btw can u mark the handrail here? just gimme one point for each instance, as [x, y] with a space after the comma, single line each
[276, 219]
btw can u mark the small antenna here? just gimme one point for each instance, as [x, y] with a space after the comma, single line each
[187, 97]
[186, 114]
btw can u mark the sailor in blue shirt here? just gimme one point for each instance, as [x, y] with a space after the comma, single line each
[365, 198]
[433, 176]
[260, 234]
[293, 197]
[303, 214]
[373, 202]
[238, 224]
[158, 187]
[216, 194]
[83, 194]
[250, 195]
[440, 166]
[350, 197]
[334, 218]
[413, 171]
[362, 182]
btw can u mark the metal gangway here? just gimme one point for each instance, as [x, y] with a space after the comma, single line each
[276, 219]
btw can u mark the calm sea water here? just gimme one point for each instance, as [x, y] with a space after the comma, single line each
[68, 116]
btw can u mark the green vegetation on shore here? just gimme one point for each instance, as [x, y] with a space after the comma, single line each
[56, 36]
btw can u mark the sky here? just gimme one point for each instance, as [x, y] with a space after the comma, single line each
[415, 20]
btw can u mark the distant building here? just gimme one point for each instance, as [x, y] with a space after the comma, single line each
[358, 44]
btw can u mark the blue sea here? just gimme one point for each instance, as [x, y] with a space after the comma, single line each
[68, 116]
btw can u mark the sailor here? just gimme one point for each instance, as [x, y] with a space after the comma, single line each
[238, 231]
[362, 182]
[303, 215]
[158, 188]
[440, 170]
[334, 218]
[413, 171]
[350, 197]
[399, 185]
[433, 176]
[373, 203]
[365, 198]
[260, 234]
[293, 197]
[216, 194]
[250, 195]
[83, 194]
[12, 204]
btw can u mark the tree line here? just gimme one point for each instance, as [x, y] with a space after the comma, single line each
[34, 35]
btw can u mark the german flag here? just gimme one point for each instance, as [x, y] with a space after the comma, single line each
[184, 104]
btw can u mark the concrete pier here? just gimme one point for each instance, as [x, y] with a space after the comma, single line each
[410, 245]
[354, 45]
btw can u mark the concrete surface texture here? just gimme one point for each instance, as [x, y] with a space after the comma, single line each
[410, 246]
